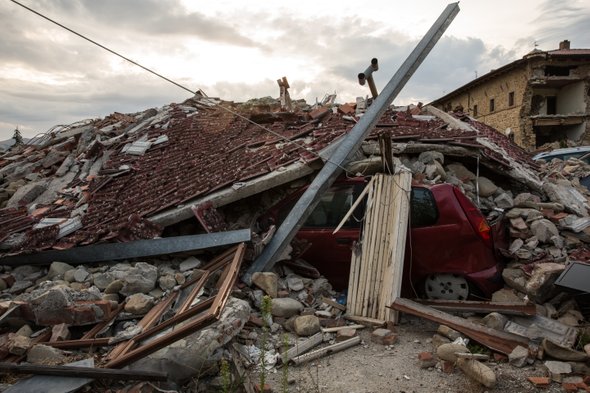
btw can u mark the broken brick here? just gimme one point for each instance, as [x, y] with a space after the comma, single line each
[539, 381]
[569, 387]
[426, 359]
[448, 367]
[500, 357]
[345, 334]
[383, 336]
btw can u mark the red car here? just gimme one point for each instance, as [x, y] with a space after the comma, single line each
[451, 251]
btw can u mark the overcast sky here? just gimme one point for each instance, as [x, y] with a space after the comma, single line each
[236, 50]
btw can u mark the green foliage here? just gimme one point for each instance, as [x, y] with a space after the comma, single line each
[477, 348]
[265, 308]
[285, 382]
[225, 376]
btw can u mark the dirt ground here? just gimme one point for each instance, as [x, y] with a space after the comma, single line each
[374, 368]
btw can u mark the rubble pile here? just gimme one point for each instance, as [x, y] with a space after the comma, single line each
[149, 174]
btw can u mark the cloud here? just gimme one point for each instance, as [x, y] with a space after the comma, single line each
[559, 21]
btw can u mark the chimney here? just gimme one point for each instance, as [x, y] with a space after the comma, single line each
[565, 44]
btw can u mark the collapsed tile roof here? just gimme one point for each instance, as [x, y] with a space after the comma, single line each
[100, 180]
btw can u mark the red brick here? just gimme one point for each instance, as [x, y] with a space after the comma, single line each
[383, 336]
[570, 387]
[345, 334]
[448, 367]
[267, 388]
[500, 357]
[425, 356]
[539, 381]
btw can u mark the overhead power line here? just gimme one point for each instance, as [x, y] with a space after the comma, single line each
[168, 79]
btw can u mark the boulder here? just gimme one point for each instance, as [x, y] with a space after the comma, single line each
[540, 287]
[495, 320]
[139, 304]
[306, 325]
[167, 282]
[195, 354]
[544, 230]
[447, 351]
[486, 187]
[46, 355]
[285, 307]
[267, 281]
[58, 269]
[111, 288]
[139, 279]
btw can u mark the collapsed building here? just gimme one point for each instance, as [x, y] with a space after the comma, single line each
[115, 230]
[540, 99]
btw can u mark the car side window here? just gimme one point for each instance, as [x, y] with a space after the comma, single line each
[333, 206]
[423, 211]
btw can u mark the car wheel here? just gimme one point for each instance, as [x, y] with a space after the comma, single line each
[446, 287]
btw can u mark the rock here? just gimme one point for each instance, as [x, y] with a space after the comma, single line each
[345, 334]
[25, 330]
[18, 345]
[524, 198]
[321, 287]
[189, 357]
[429, 157]
[80, 275]
[113, 287]
[294, 282]
[267, 281]
[486, 187]
[103, 280]
[518, 357]
[20, 286]
[60, 332]
[50, 305]
[514, 278]
[447, 351]
[435, 170]
[58, 269]
[519, 224]
[477, 371]
[306, 325]
[568, 196]
[426, 360]
[190, 264]
[383, 336]
[46, 355]
[516, 245]
[139, 279]
[111, 297]
[461, 172]
[285, 307]
[180, 278]
[495, 320]
[27, 193]
[448, 332]
[557, 369]
[438, 340]
[505, 295]
[167, 282]
[504, 201]
[559, 352]
[540, 287]
[69, 275]
[544, 230]
[139, 304]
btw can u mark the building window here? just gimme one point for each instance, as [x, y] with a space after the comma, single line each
[492, 105]
[511, 98]
[474, 110]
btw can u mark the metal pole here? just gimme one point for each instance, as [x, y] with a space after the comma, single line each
[349, 145]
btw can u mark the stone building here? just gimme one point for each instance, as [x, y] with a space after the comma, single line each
[542, 98]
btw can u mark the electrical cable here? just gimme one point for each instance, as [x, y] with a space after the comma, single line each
[199, 91]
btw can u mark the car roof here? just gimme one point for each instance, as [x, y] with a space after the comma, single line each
[559, 152]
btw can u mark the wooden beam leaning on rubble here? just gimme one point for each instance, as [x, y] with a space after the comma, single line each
[498, 341]
[201, 320]
[82, 372]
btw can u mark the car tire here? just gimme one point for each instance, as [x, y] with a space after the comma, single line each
[446, 287]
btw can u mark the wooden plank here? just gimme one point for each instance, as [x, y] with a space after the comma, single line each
[333, 303]
[373, 245]
[359, 199]
[82, 372]
[301, 348]
[365, 321]
[502, 342]
[381, 208]
[338, 328]
[508, 308]
[327, 350]
[99, 327]
[193, 293]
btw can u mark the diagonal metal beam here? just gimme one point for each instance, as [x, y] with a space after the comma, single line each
[136, 249]
[349, 145]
